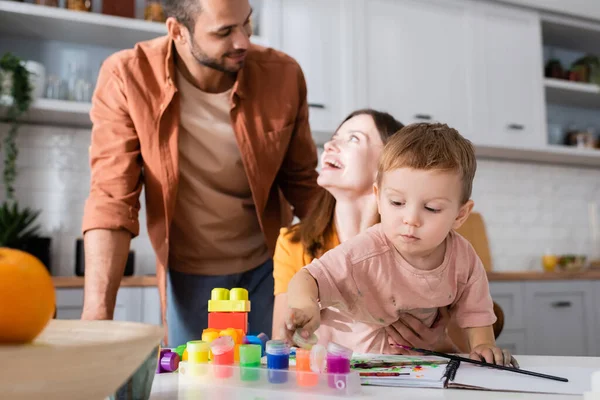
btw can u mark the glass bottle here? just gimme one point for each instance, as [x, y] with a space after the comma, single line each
[79, 5]
[154, 11]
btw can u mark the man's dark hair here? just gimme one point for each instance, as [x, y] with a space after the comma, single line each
[184, 11]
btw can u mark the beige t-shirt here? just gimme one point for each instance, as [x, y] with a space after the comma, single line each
[366, 285]
[215, 229]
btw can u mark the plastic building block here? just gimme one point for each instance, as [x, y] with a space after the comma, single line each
[261, 339]
[234, 300]
[208, 335]
[168, 361]
[224, 320]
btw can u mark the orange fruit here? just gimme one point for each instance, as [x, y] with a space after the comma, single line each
[27, 296]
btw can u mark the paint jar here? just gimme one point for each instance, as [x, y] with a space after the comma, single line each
[250, 362]
[198, 351]
[304, 375]
[168, 361]
[222, 350]
[304, 343]
[338, 362]
[278, 358]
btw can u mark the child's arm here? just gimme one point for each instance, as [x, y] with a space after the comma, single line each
[303, 308]
[483, 347]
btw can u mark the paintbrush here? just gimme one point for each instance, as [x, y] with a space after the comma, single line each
[483, 363]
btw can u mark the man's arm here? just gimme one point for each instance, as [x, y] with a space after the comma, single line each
[106, 253]
[297, 176]
[111, 211]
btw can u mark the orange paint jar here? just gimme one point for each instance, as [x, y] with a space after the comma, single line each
[304, 375]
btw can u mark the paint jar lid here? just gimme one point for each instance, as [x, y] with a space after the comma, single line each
[250, 353]
[318, 358]
[277, 348]
[222, 345]
[338, 350]
[170, 361]
[197, 346]
[304, 343]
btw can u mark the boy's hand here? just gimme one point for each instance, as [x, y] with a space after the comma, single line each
[493, 355]
[307, 318]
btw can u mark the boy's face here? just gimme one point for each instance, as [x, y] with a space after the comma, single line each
[418, 208]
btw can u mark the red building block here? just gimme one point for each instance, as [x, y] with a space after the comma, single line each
[224, 320]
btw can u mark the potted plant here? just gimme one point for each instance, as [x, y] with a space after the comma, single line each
[17, 228]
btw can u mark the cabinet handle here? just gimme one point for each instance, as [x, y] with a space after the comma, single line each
[424, 117]
[561, 304]
[316, 105]
[516, 127]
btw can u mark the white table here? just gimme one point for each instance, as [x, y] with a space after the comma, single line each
[166, 386]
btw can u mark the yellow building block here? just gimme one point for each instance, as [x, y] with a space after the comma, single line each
[224, 300]
[208, 335]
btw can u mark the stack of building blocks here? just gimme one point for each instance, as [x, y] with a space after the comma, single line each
[228, 309]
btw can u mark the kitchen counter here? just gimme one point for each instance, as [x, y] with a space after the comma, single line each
[588, 274]
[127, 281]
[150, 280]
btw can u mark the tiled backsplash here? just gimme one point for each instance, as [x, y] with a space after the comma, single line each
[527, 207]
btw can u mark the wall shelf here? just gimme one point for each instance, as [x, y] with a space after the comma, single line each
[576, 94]
[53, 23]
[551, 154]
[57, 113]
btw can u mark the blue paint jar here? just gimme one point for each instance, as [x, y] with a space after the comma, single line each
[278, 361]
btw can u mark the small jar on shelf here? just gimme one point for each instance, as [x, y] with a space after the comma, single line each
[154, 11]
[79, 5]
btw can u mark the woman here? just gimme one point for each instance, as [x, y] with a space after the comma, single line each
[345, 208]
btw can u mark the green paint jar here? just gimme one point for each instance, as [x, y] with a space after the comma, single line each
[250, 362]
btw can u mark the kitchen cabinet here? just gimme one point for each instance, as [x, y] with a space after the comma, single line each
[558, 318]
[508, 77]
[417, 59]
[514, 341]
[561, 319]
[510, 297]
[596, 306]
[137, 304]
[318, 35]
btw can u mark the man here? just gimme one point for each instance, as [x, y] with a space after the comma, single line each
[216, 129]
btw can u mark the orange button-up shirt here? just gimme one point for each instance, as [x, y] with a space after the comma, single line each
[135, 116]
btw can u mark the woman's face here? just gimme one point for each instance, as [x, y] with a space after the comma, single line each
[349, 160]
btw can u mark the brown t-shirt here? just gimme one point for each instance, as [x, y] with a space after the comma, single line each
[215, 228]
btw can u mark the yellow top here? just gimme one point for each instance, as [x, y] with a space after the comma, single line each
[290, 257]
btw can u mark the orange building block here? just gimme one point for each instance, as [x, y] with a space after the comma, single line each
[224, 320]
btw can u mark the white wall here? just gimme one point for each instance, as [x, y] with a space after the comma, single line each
[527, 207]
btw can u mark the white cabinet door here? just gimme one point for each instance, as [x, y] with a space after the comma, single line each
[129, 304]
[151, 306]
[69, 304]
[317, 34]
[509, 296]
[560, 318]
[417, 55]
[508, 70]
[596, 290]
[514, 341]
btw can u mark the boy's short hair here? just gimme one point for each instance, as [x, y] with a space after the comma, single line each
[430, 146]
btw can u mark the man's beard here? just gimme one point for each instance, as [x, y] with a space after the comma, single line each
[213, 63]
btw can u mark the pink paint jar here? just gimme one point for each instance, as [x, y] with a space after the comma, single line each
[223, 350]
[338, 365]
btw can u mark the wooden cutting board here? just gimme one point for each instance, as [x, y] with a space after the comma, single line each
[474, 231]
